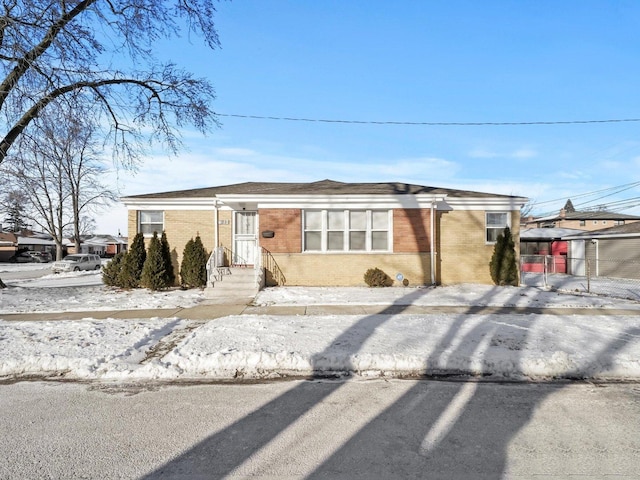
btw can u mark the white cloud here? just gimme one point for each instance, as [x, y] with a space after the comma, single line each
[524, 153]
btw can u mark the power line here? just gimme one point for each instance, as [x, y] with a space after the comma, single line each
[433, 124]
[610, 207]
[617, 188]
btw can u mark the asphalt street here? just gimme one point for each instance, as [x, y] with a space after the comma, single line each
[320, 429]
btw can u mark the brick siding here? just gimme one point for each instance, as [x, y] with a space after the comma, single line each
[411, 230]
[286, 223]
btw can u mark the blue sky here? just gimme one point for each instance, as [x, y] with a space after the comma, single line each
[414, 61]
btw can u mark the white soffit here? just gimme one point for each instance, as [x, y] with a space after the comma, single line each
[484, 203]
[170, 203]
[335, 201]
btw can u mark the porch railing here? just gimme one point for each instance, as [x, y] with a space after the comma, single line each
[218, 265]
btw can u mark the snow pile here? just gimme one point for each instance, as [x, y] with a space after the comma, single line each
[82, 349]
[272, 346]
[513, 346]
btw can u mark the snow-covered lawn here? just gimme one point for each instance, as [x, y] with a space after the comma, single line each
[83, 291]
[511, 346]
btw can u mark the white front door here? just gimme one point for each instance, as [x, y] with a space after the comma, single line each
[245, 237]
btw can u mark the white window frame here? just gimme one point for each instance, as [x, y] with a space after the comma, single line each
[141, 223]
[347, 229]
[500, 227]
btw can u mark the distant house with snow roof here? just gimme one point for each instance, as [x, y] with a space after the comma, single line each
[15, 242]
[103, 245]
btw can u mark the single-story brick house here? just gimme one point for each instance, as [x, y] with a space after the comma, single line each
[329, 233]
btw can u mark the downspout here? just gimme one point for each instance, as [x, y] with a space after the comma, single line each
[432, 247]
[216, 227]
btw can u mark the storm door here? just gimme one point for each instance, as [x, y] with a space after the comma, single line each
[245, 237]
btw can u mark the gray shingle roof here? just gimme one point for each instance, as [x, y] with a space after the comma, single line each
[323, 187]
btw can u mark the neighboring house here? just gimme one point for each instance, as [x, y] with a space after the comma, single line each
[8, 246]
[12, 243]
[611, 252]
[103, 245]
[585, 221]
[329, 233]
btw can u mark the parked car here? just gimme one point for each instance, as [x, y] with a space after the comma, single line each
[22, 257]
[42, 257]
[76, 262]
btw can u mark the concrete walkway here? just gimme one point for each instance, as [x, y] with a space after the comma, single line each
[211, 311]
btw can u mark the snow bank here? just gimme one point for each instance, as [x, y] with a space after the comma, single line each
[257, 347]
[78, 349]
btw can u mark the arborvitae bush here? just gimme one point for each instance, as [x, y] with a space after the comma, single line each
[503, 266]
[166, 258]
[154, 274]
[133, 263]
[374, 277]
[193, 270]
[111, 271]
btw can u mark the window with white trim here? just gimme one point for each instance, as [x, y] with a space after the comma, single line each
[150, 221]
[495, 224]
[347, 230]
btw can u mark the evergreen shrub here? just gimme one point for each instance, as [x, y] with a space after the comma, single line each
[166, 258]
[154, 274]
[111, 271]
[133, 263]
[193, 270]
[503, 266]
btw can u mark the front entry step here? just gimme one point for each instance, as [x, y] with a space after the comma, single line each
[233, 285]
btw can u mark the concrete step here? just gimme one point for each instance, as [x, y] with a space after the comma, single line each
[233, 285]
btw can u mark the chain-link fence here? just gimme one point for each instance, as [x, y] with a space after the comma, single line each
[615, 278]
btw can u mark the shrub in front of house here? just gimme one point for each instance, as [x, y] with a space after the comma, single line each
[374, 277]
[166, 258]
[503, 266]
[193, 271]
[111, 271]
[132, 264]
[154, 273]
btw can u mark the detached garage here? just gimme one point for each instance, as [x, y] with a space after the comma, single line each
[611, 252]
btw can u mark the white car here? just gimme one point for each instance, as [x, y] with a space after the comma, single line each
[77, 262]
